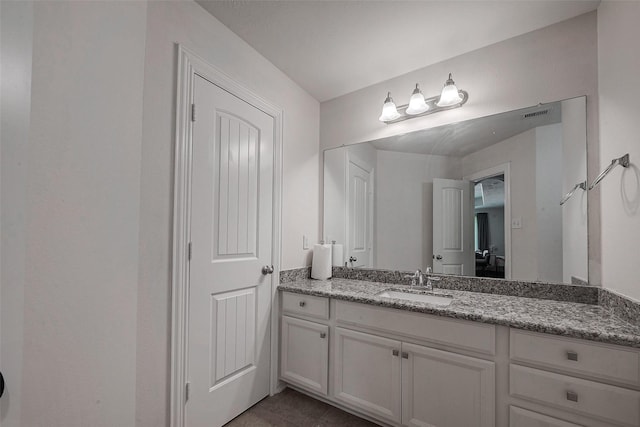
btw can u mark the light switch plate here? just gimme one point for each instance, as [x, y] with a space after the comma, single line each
[305, 242]
[516, 222]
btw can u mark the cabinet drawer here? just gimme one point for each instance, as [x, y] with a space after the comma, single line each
[479, 337]
[519, 417]
[601, 401]
[607, 362]
[306, 305]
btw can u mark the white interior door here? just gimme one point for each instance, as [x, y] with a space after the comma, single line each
[453, 234]
[231, 236]
[359, 213]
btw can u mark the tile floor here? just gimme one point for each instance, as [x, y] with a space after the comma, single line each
[293, 409]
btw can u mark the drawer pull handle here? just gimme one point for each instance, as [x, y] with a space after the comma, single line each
[395, 352]
[323, 334]
[572, 355]
[405, 355]
[302, 303]
[572, 396]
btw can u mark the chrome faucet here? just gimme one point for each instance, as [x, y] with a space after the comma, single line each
[429, 273]
[417, 278]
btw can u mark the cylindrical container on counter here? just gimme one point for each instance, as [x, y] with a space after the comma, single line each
[321, 262]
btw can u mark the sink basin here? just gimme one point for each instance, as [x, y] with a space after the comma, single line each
[441, 300]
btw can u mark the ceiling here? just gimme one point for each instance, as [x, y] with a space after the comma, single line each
[489, 193]
[331, 48]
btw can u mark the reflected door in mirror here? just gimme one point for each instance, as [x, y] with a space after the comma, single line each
[453, 227]
[360, 212]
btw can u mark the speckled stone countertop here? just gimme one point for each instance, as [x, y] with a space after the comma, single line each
[570, 319]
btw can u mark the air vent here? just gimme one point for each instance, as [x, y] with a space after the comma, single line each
[535, 114]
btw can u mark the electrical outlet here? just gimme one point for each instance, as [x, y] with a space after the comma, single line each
[516, 222]
[305, 242]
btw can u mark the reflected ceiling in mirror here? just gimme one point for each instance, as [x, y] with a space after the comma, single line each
[463, 138]
[479, 198]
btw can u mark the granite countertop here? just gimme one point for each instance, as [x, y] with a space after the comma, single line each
[569, 319]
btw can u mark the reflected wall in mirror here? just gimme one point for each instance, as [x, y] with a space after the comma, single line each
[477, 198]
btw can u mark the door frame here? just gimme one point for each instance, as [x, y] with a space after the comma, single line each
[189, 64]
[502, 169]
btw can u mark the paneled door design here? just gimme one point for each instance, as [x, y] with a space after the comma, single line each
[231, 237]
[359, 213]
[453, 235]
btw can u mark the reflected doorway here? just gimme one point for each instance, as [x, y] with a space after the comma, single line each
[489, 226]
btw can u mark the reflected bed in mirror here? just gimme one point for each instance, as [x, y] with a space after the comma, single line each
[475, 198]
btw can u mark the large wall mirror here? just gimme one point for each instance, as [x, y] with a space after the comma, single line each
[475, 198]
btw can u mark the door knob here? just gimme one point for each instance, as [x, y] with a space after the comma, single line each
[352, 259]
[438, 257]
[267, 269]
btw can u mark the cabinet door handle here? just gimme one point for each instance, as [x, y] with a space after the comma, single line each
[395, 352]
[572, 396]
[302, 303]
[405, 355]
[323, 334]
[572, 355]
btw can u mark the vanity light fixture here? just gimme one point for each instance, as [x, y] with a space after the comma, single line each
[389, 110]
[418, 106]
[450, 94]
[416, 103]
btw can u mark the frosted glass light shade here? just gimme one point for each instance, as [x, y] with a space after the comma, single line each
[389, 110]
[450, 95]
[417, 105]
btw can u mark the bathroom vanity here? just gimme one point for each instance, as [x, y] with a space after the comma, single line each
[483, 360]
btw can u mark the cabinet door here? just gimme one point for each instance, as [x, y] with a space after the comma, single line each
[445, 389]
[367, 373]
[305, 354]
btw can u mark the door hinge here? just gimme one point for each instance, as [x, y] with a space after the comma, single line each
[187, 388]
[193, 112]
[189, 251]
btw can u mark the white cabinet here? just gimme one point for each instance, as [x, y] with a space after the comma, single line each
[412, 384]
[367, 373]
[305, 354]
[414, 369]
[605, 402]
[519, 417]
[594, 385]
[444, 389]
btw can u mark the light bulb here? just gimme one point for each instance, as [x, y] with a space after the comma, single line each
[389, 110]
[416, 103]
[449, 95]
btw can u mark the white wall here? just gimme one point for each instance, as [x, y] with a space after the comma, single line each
[187, 23]
[619, 91]
[550, 64]
[574, 211]
[548, 193]
[16, 26]
[404, 207]
[81, 224]
[335, 196]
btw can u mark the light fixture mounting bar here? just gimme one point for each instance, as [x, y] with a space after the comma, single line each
[433, 108]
